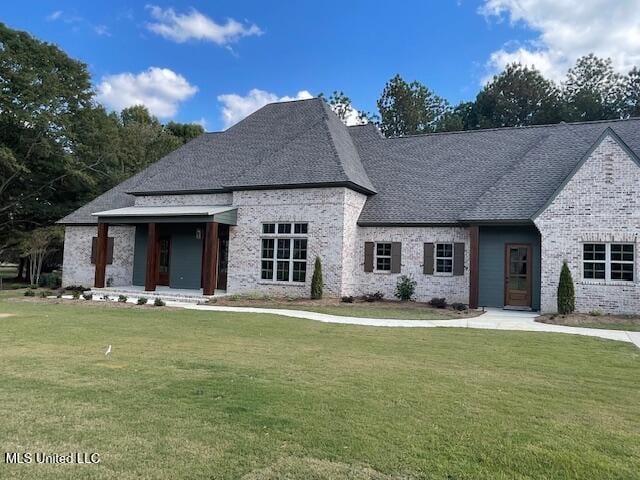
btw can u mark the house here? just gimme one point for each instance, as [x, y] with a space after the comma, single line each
[482, 217]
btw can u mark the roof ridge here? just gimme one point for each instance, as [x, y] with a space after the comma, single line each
[520, 127]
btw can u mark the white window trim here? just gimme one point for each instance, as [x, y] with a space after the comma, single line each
[436, 257]
[376, 256]
[607, 265]
[283, 236]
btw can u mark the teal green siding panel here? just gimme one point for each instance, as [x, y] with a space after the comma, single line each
[493, 241]
[140, 255]
[185, 263]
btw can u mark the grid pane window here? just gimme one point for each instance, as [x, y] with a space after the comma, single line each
[383, 257]
[284, 252]
[444, 257]
[609, 261]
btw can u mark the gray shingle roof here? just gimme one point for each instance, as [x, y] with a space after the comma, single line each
[484, 175]
[502, 174]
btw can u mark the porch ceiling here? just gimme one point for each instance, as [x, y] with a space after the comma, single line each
[226, 214]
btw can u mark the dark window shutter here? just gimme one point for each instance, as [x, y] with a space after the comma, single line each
[458, 258]
[368, 256]
[428, 259]
[94, 250]
[109, 250]
[396, 257]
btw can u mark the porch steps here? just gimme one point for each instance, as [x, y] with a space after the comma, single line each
[167, 296]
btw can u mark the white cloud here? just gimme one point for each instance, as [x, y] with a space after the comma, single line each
[568, 29]
[236, 107]
[161, 90]
[54, 15]
[193, 25]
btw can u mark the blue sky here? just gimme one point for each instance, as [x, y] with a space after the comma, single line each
[187, 61]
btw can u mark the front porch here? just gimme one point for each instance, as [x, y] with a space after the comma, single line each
[181, 251]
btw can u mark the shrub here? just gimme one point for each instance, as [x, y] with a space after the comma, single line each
[50, 280]
[438, 302]
[460, 307]
[566, 293]
[316, 280]
[405, 288]
[373, 297]
[59, 294]
[158, 302]
[596, 313]
[45, 293]
[29, 293]
[76, 295]
[122, 298]
[142, 300]
[77, 288]
[87, 296]
[106, 298]
[348, 299]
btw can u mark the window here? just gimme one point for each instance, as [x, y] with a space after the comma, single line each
[444, 257]
[608, 261]
[383, 257]
[284, 254]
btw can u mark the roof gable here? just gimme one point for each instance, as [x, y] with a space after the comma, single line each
[607, 133]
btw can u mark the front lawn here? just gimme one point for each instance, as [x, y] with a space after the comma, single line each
[586, 320]
[214, 395]
[381, 309]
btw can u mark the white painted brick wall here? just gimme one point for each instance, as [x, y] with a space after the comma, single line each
[453, 288]
[190, 199]
[601, 203]
[321, 208]
[77, 267]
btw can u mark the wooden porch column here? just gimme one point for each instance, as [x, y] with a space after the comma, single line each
[151, 274]
[210, 262]
[101, 254]
[474, 265]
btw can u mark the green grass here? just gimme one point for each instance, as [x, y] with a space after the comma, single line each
[608, 322]
[348, 310]
[212, 395]
[633, 327]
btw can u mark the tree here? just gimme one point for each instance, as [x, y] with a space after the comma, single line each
[343, 107]
[36, 246]
[409, 108]
[44, 99]
[185, 131]
[316, 281]
[566, 294]
[518, 96]
[632, 93]
[593, 91]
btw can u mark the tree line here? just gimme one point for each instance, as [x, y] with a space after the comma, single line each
[518, 96]
[58, 147]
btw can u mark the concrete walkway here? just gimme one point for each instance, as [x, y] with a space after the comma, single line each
[493, 319]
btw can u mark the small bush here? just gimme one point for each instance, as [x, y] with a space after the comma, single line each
[122, 298]
[45, 293]
[59, 294]
[316, 280]
[348, 299]
[75, 295]
[29, 293]
[459, 307]
[596, 313]
[405, 288]
[87, 296]
[106, 298]
[566, 293]
[373, 297]
[438, 302]
[51, 280]
[142, 300]
[158, 302]
[76, 288]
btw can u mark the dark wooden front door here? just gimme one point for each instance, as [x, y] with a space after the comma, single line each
[517, 288]
[164, 256]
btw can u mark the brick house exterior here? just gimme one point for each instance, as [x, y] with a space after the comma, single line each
[484, 218]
